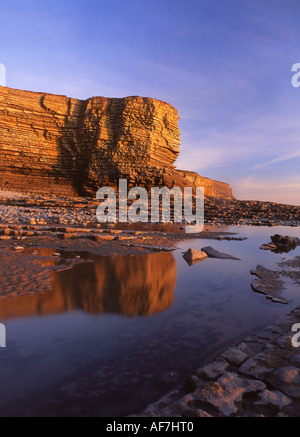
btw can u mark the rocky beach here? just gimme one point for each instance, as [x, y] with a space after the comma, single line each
[58, 260]
[258, 376]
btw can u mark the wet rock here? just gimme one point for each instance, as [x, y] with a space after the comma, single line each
[19, 248]
[285, 342]
[274, 398]
[231, 238]
[191, 383]
[266, 384]
[192, 256]
[269, 284]
[213, 370]
[234, 381]
[103, 237]
[225, 394]
[255, 367]
[285, 243]
[268, 246]
[287, 380]
[213, 253]
[278, 300]
[235, 355]
[288, 374]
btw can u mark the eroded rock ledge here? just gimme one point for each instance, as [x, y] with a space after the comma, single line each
[52, 143]
[258, 377]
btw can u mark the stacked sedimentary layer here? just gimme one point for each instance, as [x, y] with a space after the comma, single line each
[66, 146]
[211, 188]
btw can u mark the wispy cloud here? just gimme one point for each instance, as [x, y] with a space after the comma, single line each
[284, 157]
[287, 191]
[245, 139]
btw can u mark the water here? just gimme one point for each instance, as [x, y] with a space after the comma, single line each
[117, 333]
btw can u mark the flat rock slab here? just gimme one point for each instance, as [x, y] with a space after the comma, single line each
[267, 384]
[274, 398]
[269, 284]
[268, 246]
[213, 253]
[235, 355]
[226, 393]
[213, 370]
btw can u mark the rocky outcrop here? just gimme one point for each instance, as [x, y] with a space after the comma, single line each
[193, 256]
[66, 146]
[257, 377]
[211, 188]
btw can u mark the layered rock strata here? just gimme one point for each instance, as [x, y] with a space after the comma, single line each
[67, 146]
[211, 188]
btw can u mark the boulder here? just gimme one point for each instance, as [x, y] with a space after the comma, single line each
[213, 253]
[285, 241]
[192, 256]
[268, 246]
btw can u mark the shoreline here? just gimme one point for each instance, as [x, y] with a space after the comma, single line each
[28, 208]
[257, 376]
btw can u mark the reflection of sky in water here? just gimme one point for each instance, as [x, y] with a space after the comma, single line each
[84, 347]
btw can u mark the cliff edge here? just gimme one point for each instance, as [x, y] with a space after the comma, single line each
[55, 144]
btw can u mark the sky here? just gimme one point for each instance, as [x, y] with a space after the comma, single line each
[225, 65]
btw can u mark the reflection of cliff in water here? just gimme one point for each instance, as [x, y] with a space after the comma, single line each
[132, 286]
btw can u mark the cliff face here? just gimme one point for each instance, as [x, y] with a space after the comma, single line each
[57, 144]
[211, 188]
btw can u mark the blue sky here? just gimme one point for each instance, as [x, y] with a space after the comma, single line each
[224, 64]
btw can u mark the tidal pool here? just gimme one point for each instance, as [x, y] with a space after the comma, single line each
[115, 334]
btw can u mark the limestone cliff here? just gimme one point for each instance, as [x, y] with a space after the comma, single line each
[211, 188]
[58, 144]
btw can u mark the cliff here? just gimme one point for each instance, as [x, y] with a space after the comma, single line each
[67, 146]
[211, 188]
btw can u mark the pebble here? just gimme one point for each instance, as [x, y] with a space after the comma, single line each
[20, 248]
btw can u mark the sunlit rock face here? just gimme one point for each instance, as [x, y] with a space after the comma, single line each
[211, 188]
[52, 143]
[130, 286]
